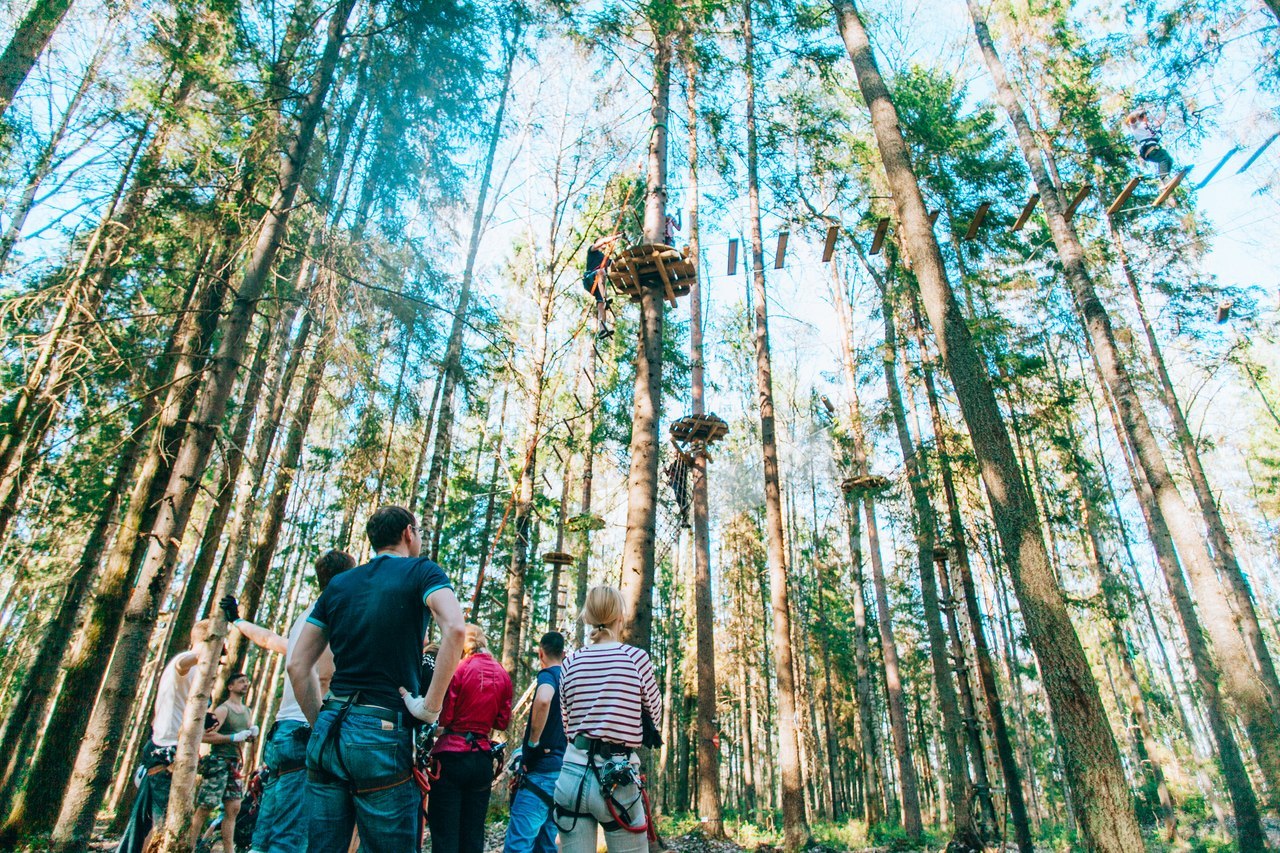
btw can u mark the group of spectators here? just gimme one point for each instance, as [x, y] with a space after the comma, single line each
[375, 741]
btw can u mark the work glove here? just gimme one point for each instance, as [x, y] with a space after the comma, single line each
[417, 706]
[241, 737]
[231, 608]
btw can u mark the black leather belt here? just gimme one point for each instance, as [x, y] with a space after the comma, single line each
[335, 704]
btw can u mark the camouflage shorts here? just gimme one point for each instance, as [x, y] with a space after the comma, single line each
[219, 781]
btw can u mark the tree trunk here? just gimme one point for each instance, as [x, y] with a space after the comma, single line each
[958, 783]
[26, 45]
[44, 164]
[959, 553]
[1249, 832]
[177, 826]
[795, 822]
[1224, 554]
[98, 750]
[1241, 680]
[31, 702]
[451, 369]
[1092, 760]
[36, 807]
[709, 804]
[873, 786]
[642, 479]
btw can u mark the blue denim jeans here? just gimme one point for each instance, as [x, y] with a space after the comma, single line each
[282, 825]
[362, 777]
[532, 828]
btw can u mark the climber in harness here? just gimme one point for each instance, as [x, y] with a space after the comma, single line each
[532, 827]
[596, 276]
[375, 618]
[478, 703]
[1143, 129]
[611, 707]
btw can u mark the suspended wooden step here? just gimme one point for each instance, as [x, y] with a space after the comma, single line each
[978, 217]
[1027, 210]
[733, 257]
[877, 242]
[1080, 196]
[559, 558]
[829, 245]
[1123, 196]
[1167, 190]
[584, 522]
[1224, 310]
[780, 256]
[941, 553]
[869, 483]
[703, 429]
[1214, 171]
[651, 264]
[828, 405]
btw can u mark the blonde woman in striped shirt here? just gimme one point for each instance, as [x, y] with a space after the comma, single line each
[607, 689]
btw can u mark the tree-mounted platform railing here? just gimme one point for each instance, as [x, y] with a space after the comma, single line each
[706, 429]
[651, 264]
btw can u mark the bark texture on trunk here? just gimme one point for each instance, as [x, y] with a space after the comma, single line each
[26, 45]
[642, 479]
[709, 808]
[1091, 759]
[795, 823]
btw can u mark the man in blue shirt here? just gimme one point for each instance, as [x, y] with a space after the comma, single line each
[374, 618]
[532, 828]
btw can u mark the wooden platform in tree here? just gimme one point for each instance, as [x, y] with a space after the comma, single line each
[584, 522]
[648, 264]
[707, 429]
[869, 483]
[559, 558]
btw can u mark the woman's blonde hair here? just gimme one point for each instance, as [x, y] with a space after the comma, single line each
[603, 613]
[475, 641]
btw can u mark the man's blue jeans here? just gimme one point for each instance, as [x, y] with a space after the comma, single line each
[362, 777]
[282, 826]
[533, 828]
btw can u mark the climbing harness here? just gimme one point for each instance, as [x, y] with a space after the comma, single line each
[616, 771]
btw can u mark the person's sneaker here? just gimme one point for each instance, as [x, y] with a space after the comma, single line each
[604, 334]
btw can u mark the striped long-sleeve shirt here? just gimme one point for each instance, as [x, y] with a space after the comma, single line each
[605, 688]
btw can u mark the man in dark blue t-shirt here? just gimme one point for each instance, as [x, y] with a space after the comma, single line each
[375, 618]
[532, 828]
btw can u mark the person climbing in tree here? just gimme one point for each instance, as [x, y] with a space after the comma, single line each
[1143, 129]
[221, 781]
[477, 704]
[532, 828]
[671, 228]
[611, 706]
[282, 821]
[599, 258]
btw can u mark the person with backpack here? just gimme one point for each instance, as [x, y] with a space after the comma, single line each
[532, 828]
[477, 704]
[611, 707]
